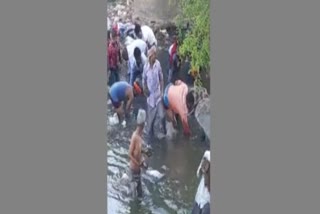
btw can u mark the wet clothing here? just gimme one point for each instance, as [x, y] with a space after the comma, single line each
[136, 178]
[155, 122]
[148, 36]
[174, 98]
[165, 96]
[117, 93]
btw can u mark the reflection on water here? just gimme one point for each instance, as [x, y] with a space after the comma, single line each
[178, 159]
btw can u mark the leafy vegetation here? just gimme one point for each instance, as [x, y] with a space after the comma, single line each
[195, 40]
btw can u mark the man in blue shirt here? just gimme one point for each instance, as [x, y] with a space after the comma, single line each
[136, 64]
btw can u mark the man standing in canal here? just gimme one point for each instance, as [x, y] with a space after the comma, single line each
[152, 82]
[136, 153]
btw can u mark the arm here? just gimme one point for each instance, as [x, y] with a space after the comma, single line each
[185, 125]
[131, 151]
[120, 59]
[120, 112]
[144, 81]
[109, 56]
[161, 79]
[130, 99]
[184, 112]
[130, 68]
[199, 170]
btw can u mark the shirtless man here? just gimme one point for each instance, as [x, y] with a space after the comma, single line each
[136, 151]
[175, 103]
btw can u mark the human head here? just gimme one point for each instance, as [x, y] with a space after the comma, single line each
[141, 118]
[138, 31]
[190, 101]
[137, 54]
[152, 54]
[205, 169]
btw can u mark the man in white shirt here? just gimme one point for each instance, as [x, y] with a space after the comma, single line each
[142, 45]
[146, 34]
[202, 199]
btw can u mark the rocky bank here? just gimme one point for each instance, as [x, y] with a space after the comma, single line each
[123, 11]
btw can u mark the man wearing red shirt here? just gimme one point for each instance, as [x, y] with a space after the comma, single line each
[114, 58]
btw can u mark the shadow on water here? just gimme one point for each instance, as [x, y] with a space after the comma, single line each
[178, 159]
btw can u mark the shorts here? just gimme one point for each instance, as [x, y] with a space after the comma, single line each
[165, 97]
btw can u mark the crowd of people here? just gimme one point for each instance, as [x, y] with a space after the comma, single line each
[167, 100]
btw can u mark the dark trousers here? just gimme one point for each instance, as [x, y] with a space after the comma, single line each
[205, 210]
[136, 74]
[155, 122]
[136, 178]
[113, 76]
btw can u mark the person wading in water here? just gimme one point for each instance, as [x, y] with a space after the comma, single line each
[175, 102]
[120, 93]
[152, 83]
[136, 152]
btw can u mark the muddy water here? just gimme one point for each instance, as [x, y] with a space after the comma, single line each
[177, 158]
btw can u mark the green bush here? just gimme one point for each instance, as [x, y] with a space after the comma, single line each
[195, 42]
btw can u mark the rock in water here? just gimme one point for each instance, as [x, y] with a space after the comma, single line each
[155, 174]
[202, 114]
[125, 179]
